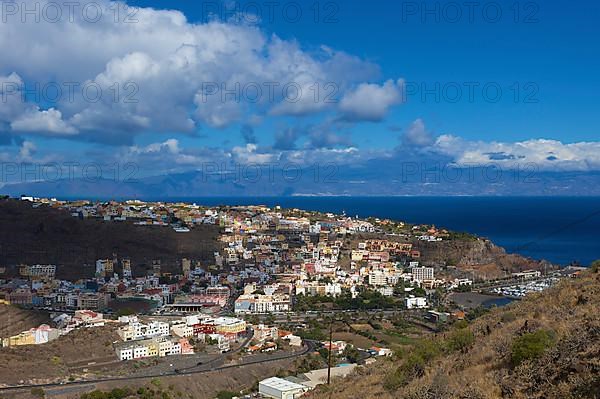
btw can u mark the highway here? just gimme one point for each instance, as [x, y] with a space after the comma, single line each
[201, 369]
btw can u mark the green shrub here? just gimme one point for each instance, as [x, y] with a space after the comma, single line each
[117, 393]
[414, 364]
[125, 312]
[461, 324]
[155, 382]
[508, 317]
[460, 340]
[226, 395]
[394, 380]
[351, 354]
[531, 346]
[427, 349]
[38, 392]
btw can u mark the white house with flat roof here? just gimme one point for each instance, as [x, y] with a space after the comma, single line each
[415, 302]
[278, 388]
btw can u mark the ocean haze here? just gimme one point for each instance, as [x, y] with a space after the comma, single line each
[327, 179]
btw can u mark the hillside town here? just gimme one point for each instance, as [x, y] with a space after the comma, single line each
[273, 272]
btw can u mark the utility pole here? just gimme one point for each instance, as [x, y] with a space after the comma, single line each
[329, 355]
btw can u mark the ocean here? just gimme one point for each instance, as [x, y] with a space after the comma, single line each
[559, 229]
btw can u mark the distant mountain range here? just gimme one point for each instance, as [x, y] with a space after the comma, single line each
[379, 180]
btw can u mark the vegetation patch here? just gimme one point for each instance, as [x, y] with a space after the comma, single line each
[531, 346]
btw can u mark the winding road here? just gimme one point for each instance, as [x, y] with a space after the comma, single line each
[202, 369]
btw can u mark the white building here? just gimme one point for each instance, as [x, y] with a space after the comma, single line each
[104, 267]
[182, 330]
[126, 263]
[415, 302]
[40, 271]
[422, 273]
[140, 351]
[386, 291]
[377, 277]
[278, 388]
[262, 304]
[125, 354]
[167, 347]
[136, 330]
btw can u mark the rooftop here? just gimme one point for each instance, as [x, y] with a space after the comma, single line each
[281, 384]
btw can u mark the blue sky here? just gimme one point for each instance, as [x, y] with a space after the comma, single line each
[380, 55]
[553, 45]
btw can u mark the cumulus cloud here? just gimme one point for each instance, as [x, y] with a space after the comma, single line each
[39, 121]
[417, 135]
[250, 154]
[27, 150]
[170, 146]
[163, 73]
[541, 153]
[19, 116]
[164, 157]
[371, 102]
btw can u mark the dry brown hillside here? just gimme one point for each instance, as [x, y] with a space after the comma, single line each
[546, 346]
[59, 359]
[52, 236]
[13, 320]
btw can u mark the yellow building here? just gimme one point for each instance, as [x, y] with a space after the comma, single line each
[126, 332]
[24, 338]
[229, 326]
[153, 348]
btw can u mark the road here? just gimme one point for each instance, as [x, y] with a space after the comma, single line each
[207, 368]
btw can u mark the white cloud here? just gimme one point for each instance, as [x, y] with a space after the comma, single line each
[27, 150]
[36, 121]
[371, 102]
[541, 153]
[249, 154]
[170, 145]
[152, 71]
[417, 135]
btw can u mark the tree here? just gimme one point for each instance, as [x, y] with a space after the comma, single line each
[125, 312]
[226, 395]
[399, 288]
[531, 346]
[461, 340]
[270, 319]
[324, 352]
[351, 354]
[595, 266]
